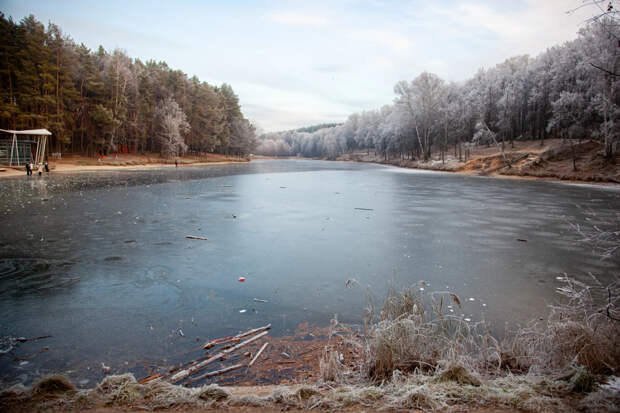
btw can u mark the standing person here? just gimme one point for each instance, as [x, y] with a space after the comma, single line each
[176, 163]
[47, 168]
[28, 171]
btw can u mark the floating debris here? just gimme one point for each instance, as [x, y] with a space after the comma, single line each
[350, 282]
[364, 209]
[196, 237]
[258, 300]
[258, 354]
[243, 311]
[521, 240]
[106, 369]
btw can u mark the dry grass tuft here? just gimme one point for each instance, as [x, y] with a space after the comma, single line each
[458, 374]
[13, 396]
[164, 395]
[305, 392]
[331, 368]
[605, 399]
[417, 398]
[416, 336]
[284, 397]
[53, 386]
[120, 390]
[582, 382]
[213, 392]
[252, 400]
[579, 332]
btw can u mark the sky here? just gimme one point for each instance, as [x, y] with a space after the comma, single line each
[299, 63]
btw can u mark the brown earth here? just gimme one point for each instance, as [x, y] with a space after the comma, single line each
[287, 360]
[551, 160]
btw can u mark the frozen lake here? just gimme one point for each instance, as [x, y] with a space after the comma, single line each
[100, 260]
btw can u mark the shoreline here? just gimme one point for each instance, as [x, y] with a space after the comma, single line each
[551, 161]
[77, 164]
[556, 179]
[69, 167]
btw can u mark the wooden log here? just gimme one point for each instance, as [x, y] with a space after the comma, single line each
[150, 378]
[193, 369]
[234, 339]
[258, 354]
[217, 341]
[213, 373]
[185, 365]
[303, 353]
[254, 331]
[196, 237]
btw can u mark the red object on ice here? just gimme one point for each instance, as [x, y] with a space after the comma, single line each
[241, 279]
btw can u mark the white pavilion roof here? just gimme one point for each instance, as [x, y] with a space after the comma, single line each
[27, 132]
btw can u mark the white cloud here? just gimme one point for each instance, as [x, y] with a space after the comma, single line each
[297, 18]
[383, 38]
[530, 27]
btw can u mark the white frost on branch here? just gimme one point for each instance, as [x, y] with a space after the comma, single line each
[172, 124]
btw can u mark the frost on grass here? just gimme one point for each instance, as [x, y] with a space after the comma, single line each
[579, 332]
[53, 386]
[213, 392]
[458, 374]
[413, 357]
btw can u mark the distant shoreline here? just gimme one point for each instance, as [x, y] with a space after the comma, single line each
[491, 175]
[75, 164]
[529, 160]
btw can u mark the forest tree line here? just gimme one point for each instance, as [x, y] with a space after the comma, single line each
[569, 91]
[103, 102]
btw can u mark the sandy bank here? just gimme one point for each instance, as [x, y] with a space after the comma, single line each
[550, 161]
[72, 164]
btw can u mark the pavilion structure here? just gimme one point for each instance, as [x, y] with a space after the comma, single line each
[17, 151]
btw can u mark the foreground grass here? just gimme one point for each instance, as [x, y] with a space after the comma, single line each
[424, 392]
[412, 357]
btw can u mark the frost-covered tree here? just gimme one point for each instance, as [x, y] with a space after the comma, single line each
[422, 98]
[521, 98]
[172, 124]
